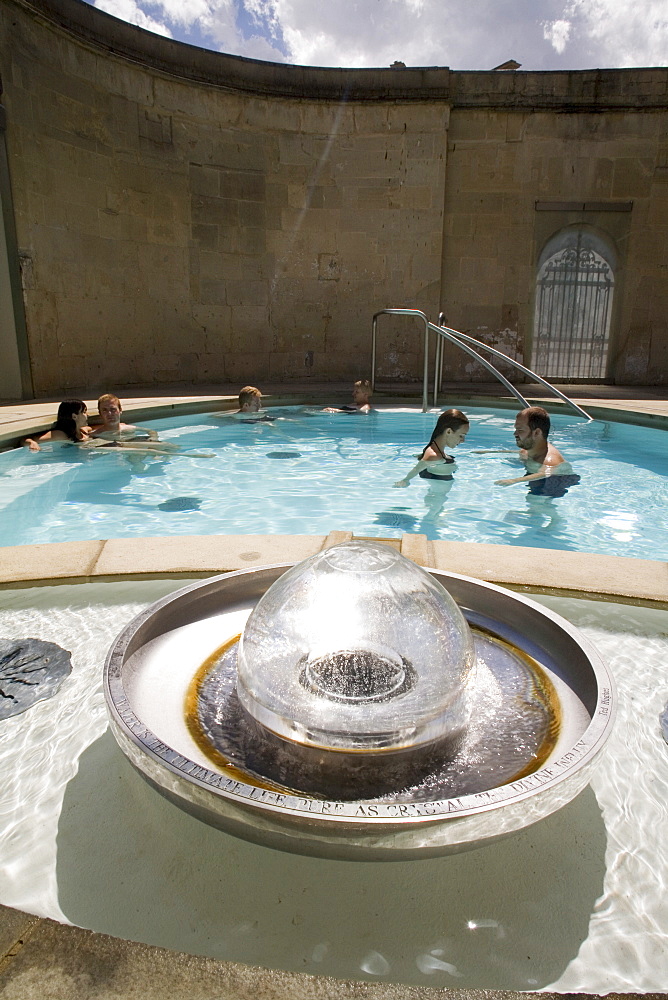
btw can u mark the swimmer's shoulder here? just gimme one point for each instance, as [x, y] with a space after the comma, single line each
[562, 468]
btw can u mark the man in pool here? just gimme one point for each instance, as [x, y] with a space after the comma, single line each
[548, 473]
[113, 433]
[112, 428]
[361, 394]
[250, 401]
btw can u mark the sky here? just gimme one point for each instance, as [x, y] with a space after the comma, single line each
[461, 34]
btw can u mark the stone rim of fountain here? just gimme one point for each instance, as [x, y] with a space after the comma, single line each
[364, 829]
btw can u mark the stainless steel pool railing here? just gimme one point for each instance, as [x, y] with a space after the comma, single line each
[374, 328]
[455, 336]
[445, 333]
[462, 341]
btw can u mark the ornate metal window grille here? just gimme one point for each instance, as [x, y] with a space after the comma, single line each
[572, 321]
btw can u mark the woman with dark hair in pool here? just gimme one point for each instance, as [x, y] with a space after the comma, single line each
[450, 430]
[71, 425]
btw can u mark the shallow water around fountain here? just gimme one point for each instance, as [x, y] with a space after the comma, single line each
[576, 902]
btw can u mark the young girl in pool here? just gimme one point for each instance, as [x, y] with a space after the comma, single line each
[451, 429]
[71, 425]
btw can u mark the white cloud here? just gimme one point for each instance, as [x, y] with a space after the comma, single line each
[225, 17]
[378, 32]
[455, 33]
[128, 10]
[626, 34]
[557, 33]
[263, 14]
[186, 12]
[539, 34]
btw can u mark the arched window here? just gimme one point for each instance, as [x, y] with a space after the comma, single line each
[574, 290]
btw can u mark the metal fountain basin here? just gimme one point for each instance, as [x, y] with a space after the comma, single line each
[153, 660]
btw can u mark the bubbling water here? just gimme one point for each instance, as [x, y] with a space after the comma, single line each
[357, 648]
[357, 675]
[513, 729]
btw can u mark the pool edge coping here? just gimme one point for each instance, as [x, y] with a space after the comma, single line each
[73, 960]
[587, 574]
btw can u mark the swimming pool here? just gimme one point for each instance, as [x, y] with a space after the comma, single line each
[308, 472]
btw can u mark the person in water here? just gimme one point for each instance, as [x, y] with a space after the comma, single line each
[434, 463]
[362, 393]
[71, 425]
[112, 432]
[112, 428]
[547, 471]
[250, 401]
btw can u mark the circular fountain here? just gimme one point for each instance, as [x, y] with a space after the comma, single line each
[358, 706]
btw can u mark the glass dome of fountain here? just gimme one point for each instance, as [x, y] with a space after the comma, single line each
[357, 648]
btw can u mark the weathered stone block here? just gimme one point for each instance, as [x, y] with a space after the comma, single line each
[632, 176]
[242, 185]
[204, 180]
[81, 218]
[467, 125]
[133, 228]
[266, 116]
[204, 103]
[276, 194]
[292, 151]
[420, 171]
[246, 293]
[214, 322]
[419, 117]
[211, 367]
[325, 118]
[212, 265]
[167, 233]
[214, 211]
[212, 291]
[205, 236]
[252, 214]
[334, 365]
[250, 240]
[248, 367]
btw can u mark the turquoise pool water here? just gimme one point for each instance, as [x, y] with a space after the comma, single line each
[308, 472]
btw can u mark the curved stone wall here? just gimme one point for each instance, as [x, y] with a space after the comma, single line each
[188, 216]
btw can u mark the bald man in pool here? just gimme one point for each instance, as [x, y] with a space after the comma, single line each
[548, 474]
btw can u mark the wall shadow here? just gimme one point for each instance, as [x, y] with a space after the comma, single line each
[508, 916]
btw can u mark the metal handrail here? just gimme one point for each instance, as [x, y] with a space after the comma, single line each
[451, 335]
[438, 361]
[404, 312]
[455, 336]
[462, 340]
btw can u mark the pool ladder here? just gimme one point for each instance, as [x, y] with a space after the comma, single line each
[462, 340]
